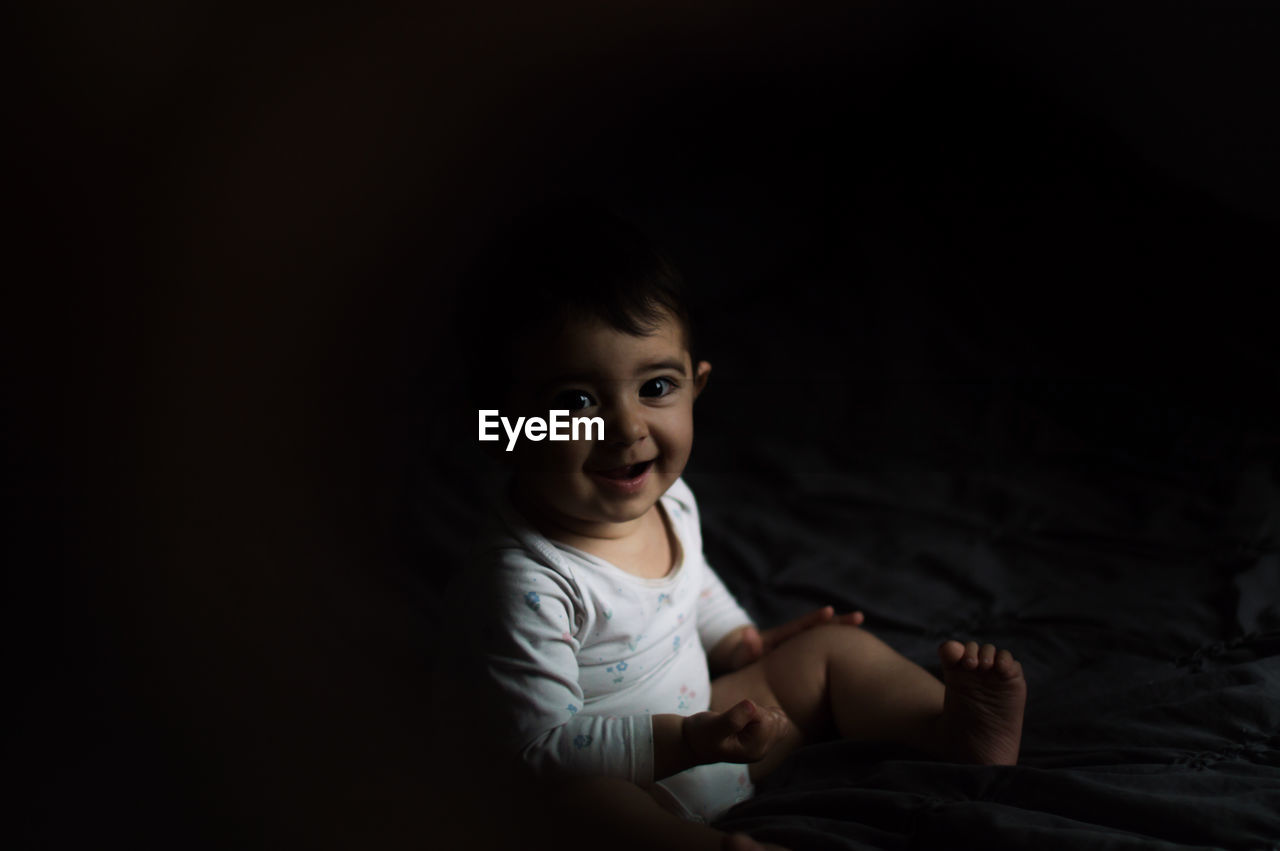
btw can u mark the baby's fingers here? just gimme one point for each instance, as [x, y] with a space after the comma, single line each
[854, 618]
[760, 736]
[740, 715]
[777, 635]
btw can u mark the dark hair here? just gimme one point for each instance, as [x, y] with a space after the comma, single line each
[559, 262]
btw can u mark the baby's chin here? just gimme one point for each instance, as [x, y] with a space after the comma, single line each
[616, 511]
[612, 509]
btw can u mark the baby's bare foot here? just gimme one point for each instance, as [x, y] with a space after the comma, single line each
[742, 842]
[982, 713]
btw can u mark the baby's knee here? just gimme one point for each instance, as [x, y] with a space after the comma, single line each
[841, 635]
[806, 657]
[844, 642]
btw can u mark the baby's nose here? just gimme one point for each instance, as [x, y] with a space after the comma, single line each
[627, 426]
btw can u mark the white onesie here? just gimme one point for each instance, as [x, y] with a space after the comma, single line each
[582, 654]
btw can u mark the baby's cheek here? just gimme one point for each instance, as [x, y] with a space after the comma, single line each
[676, 453]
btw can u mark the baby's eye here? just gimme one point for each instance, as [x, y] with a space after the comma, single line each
[572, 400]
[657, 387]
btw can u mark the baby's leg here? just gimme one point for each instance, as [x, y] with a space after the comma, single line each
[842, 680]
[611, 813]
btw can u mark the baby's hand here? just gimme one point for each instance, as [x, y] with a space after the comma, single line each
[744, 733]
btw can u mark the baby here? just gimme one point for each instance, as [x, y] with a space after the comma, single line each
[603, 625]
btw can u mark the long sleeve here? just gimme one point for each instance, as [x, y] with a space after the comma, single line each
[529, 654]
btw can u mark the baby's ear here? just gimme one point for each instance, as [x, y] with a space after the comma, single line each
[700, 375]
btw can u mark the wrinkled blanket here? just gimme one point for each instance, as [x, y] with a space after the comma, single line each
[1146, 614]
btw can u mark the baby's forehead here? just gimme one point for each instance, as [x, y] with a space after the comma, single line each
[590, 348]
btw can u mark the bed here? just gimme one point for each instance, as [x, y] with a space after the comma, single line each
[1145, 615]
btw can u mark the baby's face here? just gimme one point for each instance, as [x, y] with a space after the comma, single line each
[642, 387]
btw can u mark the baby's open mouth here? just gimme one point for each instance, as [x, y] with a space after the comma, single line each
[630, 471]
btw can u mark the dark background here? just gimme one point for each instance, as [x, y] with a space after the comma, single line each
[227, 331]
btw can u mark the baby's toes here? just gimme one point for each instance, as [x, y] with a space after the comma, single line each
[986, 657]
[951, 652]
[970, 661]
[1006, 666]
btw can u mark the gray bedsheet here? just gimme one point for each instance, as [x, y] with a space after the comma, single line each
[1146, 614]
